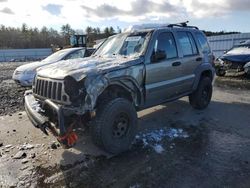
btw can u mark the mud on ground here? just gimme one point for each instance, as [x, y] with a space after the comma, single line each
[233, 80]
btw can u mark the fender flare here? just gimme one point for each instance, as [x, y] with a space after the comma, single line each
[200, 70]
[129, 84]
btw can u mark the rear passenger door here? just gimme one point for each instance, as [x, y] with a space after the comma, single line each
[190, 58]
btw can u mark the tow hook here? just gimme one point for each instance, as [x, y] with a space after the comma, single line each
[68, 139]
[43, 128]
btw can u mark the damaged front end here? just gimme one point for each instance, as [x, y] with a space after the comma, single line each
[247, 68]
[58, 106]
[227, 65]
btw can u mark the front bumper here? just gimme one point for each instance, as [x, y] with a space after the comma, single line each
[38, 119]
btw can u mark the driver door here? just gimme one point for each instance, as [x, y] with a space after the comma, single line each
[163, 73]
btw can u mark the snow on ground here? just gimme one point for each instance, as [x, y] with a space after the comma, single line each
[154, 138]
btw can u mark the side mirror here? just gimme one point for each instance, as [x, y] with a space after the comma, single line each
[158, 56]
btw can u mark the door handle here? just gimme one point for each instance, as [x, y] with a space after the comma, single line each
[177, 63]
[198, 58]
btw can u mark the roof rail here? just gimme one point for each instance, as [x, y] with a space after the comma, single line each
[182, 24]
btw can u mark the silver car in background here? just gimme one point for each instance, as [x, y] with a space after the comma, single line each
[24, 74]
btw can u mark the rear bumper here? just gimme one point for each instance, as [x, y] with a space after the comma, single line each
[33, 110]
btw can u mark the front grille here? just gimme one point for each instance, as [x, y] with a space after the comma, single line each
[50, 89]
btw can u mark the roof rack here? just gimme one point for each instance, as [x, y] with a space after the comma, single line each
[182, 24]
[154, 26]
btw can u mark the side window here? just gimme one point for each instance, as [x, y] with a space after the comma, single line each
[76, 54]
[165, 43]
[194, 46]
[203, 42]
[187, 43]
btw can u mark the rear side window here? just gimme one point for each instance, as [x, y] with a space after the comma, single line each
[187, 43]
[203, 42]
[165, 42]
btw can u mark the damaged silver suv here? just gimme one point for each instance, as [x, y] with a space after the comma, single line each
[131, 71]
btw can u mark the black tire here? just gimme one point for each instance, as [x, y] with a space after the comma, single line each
[115, 125]
[220, 72]
[201, 97]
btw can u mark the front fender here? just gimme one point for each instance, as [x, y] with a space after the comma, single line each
[95, 86]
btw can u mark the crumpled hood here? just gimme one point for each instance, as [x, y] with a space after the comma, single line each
[241, 58]
[79, 68]
[32, 66]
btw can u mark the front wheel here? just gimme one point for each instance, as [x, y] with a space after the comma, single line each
[115, 125]
[201, 97]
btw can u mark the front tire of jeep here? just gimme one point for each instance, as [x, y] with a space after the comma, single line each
[201, 97]
[115, 125]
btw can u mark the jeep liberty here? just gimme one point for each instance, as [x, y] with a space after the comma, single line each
[131, 71]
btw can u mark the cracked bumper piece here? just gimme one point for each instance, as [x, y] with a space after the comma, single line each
[39, 120]
[36, 118]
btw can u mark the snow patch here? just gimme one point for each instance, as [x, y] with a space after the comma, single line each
[36, 106]
[153, 139]
[158, 148]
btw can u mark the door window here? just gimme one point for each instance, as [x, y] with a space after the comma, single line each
[187, 43]
[166, 43]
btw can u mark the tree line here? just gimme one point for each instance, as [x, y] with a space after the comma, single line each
[27, 37]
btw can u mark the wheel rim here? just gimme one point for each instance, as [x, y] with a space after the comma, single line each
[205, 94]
[120, 125]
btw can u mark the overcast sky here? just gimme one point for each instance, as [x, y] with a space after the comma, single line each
[214, 15]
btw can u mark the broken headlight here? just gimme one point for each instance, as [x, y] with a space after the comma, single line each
[71, 87]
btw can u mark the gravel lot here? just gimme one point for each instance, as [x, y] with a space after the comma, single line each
[11, 94]
[176, 146]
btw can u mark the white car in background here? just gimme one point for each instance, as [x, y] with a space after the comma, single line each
[25, 74]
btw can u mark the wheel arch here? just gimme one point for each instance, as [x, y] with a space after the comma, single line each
[206, 70]
[124, 87]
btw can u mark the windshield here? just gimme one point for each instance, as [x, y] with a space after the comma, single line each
[238, 50]
[124, 44]
[56, 56]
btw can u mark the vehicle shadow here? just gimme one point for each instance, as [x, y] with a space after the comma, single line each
[178, 166]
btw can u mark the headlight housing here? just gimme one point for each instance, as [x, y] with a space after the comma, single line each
[73, 88]
[30, 71]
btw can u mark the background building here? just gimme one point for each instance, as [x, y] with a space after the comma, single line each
[222, 43]
[24, 54]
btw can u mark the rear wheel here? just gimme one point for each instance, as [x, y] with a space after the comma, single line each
[201, 97]
[115, 125]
